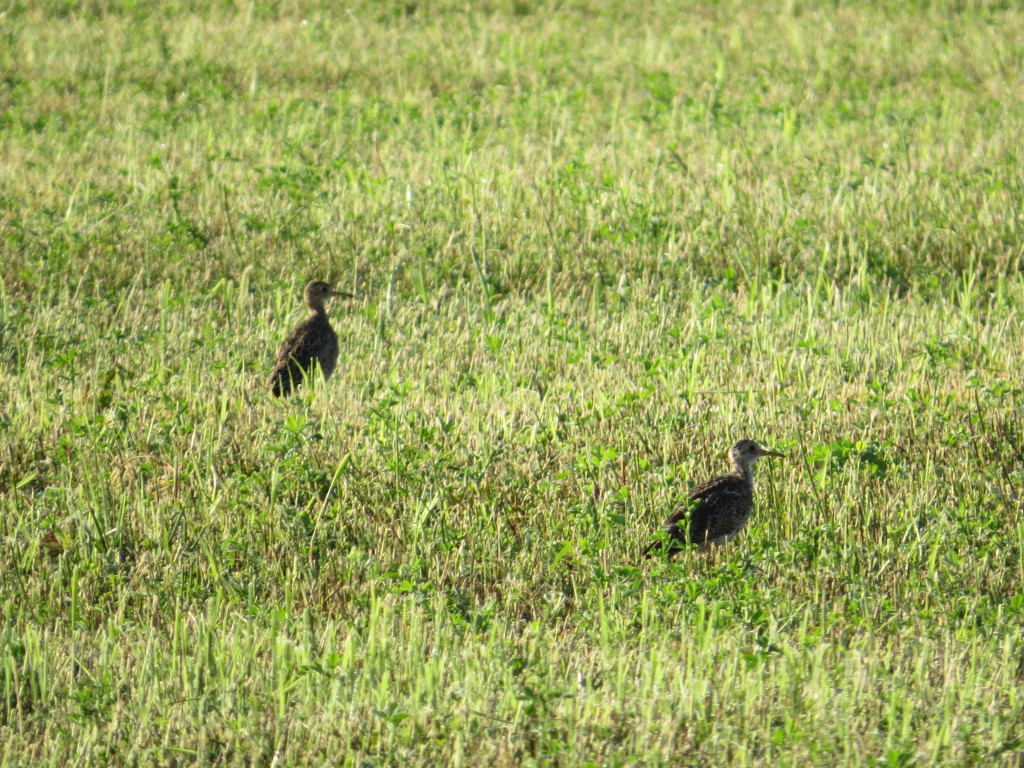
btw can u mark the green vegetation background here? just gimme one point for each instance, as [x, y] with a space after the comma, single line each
[596, 242]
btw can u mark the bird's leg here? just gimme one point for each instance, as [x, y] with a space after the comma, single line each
[706, 545]
[711, 549]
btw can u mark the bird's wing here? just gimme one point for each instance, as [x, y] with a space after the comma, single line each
[297, 352]
[696, 494]
[702, 502]
[707, 520]
[301, 344]
[712, 486]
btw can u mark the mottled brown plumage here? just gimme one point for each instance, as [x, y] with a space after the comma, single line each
[313, 343]
[723, 504]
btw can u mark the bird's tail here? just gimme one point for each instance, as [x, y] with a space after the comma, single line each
[669, 542]
[651, 548]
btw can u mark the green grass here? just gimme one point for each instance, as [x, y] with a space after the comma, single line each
[595, 244]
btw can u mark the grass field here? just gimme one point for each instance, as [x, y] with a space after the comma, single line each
[595, 242]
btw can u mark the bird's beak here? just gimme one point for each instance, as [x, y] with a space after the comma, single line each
[774, 453]
[344, 294]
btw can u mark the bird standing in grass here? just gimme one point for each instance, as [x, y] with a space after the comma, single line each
[313, 343]
[723, 504]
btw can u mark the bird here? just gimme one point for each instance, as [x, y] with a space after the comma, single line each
[312, 343]
[718, 508]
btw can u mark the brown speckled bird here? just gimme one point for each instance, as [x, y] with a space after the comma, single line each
[723, 504]
[312, 343]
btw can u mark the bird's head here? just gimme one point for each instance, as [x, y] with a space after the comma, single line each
[317, 292]
[745, 452]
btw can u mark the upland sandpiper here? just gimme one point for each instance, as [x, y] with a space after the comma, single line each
[313, 343]
[723, 504]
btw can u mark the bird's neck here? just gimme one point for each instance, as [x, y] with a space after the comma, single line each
[743, 471]
[316, 306]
